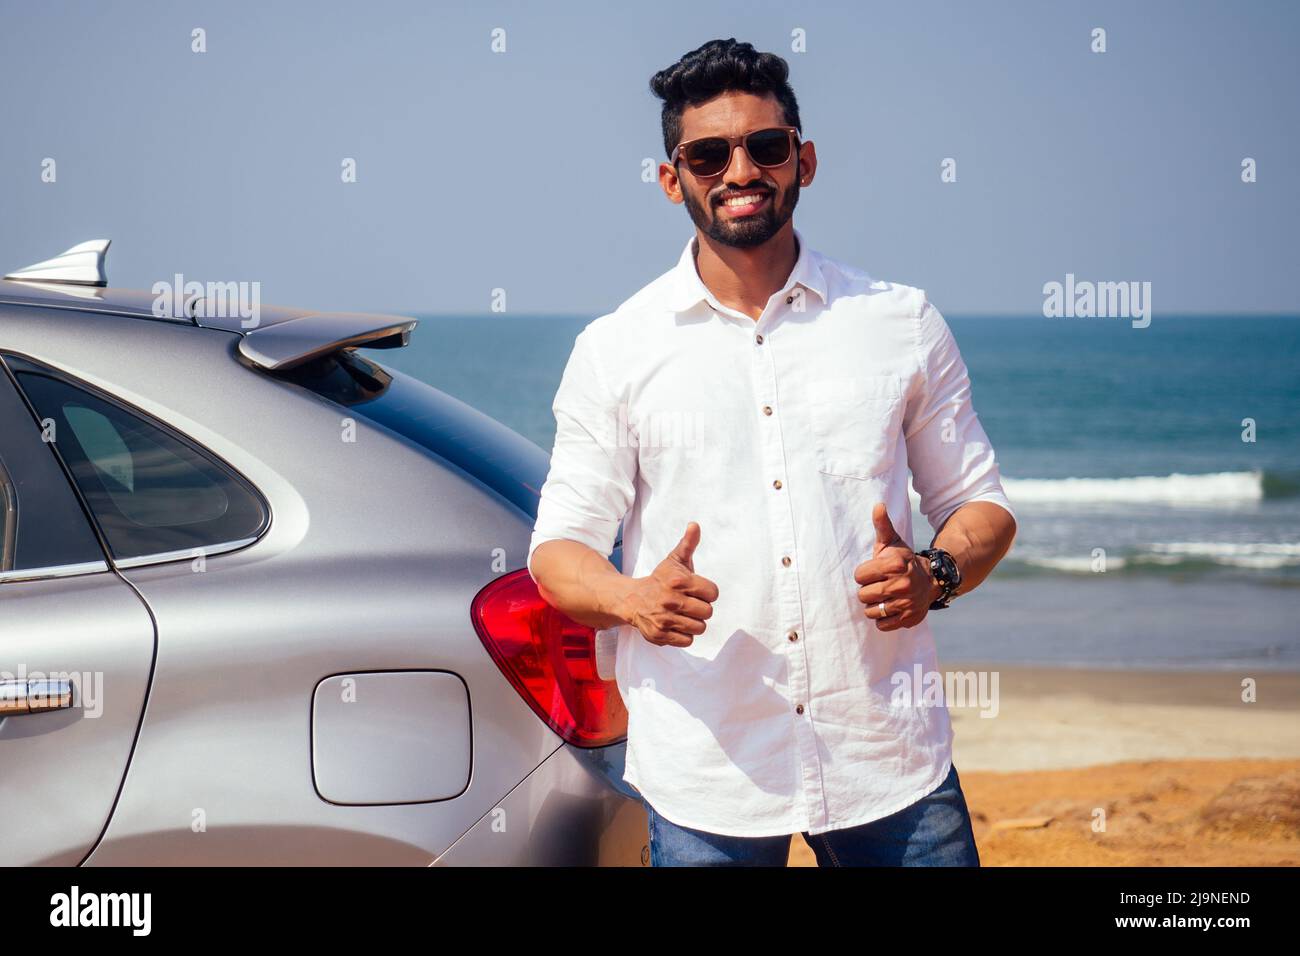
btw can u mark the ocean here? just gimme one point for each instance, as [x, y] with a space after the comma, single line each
[1150, 533]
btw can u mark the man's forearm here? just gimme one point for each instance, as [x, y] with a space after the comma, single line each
[580, 582]
[977, 535]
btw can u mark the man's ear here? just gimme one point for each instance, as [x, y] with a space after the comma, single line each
[668, 175]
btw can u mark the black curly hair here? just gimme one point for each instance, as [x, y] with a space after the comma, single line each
[720, 66]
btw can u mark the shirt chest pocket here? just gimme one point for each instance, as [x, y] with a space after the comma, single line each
[855, 424]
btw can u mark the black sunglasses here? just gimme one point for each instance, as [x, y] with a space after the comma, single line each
[711, 155]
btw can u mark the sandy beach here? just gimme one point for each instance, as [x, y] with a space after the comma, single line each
[1129, 768]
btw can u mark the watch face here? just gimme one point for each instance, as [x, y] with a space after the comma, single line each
[944, 567]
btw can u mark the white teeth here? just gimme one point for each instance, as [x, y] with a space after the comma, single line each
[743, 200]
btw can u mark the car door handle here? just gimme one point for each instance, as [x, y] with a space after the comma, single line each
[19, 697]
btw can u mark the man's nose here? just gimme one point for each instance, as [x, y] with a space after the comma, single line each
[742, 169]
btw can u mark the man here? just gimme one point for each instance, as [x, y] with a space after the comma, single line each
[753, 413]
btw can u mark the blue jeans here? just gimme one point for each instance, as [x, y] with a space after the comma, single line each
[934, 831]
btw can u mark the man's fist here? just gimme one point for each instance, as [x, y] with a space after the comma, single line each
[671, 605]
[896, 577]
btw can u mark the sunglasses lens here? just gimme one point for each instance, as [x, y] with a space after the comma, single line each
[768, 147]
[708, 157]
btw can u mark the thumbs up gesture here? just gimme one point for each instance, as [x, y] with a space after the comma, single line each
[895, 585]
[671, 605]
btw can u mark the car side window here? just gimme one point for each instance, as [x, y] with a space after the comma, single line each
[152, 492]
[43, 528]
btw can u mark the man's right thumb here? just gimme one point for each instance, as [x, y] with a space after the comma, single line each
[685, 549]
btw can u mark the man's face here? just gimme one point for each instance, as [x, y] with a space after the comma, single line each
[752, 224]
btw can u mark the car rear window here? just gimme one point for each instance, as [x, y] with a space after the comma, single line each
[460, 434]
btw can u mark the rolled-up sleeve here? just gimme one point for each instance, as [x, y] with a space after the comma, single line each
[950, 456]
[592, 479]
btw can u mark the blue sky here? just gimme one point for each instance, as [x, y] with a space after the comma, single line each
[522, 170]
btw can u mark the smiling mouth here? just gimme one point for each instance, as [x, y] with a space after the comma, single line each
[744, 204]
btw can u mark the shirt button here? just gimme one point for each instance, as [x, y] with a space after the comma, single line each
[793, 636]
[767, 409]
[786, 560]
[759, 338]
[789, 299]
[777, 484]
[799, 709]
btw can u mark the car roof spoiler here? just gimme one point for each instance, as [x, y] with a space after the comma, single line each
[293, 342]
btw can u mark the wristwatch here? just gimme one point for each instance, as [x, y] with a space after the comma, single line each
[945, 572]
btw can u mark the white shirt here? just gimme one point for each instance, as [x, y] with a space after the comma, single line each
[777, 437]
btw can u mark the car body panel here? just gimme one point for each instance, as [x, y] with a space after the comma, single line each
[565, 813]
[62, 770]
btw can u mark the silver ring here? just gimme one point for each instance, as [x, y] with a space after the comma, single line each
[882, 609]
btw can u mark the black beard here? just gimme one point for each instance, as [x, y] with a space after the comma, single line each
[748, 232]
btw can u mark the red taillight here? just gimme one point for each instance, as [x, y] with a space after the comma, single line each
[550, 659]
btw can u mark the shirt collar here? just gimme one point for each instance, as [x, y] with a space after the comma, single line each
[688, 288]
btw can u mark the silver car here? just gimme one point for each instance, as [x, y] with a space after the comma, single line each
[262, 601]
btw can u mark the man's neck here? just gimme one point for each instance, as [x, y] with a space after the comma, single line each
[744, 279]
